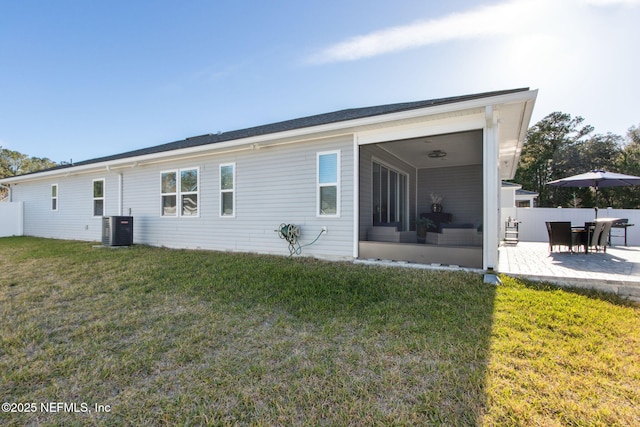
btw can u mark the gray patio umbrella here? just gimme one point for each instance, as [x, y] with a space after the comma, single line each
[597, 179]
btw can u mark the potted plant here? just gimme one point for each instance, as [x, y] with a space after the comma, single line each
[436, 202]
[423, 225]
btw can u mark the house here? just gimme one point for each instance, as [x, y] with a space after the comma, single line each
[514, 196]
[363, 175]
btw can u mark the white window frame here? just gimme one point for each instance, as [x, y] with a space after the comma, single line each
[398, 171]
[227, 190]
[320, 185]
[182, 193]
[178, 193]
[54, 198]
[169, 194]
[103, 198]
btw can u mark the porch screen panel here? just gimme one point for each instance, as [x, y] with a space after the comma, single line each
[377, 215]
[402, 200]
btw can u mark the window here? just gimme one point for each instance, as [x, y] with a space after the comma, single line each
[227, 189]
[168, 193]
[328, 194]
[189, 192]
[179, 191]
[389, 196]
[54, 197]
[98, 197]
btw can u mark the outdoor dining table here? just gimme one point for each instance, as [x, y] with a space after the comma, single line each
[580, 235]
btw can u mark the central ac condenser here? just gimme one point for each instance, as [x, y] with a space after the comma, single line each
[117, 230]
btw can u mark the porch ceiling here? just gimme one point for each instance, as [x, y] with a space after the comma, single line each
[462, 148]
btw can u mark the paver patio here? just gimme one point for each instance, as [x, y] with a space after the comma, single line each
[617, 270]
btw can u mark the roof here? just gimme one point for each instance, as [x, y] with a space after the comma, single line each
[299, 123]
[506, 184]
[518, 188]
[526, 193]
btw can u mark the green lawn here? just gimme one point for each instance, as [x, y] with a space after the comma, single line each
[169, 337]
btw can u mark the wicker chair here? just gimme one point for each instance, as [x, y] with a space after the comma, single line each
[560, 234]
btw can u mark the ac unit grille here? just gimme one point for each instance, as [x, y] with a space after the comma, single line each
[117, 230]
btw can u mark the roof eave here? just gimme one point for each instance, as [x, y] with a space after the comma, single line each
[299, 135]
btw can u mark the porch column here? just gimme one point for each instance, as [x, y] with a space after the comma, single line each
[356, 196]
[491, 189]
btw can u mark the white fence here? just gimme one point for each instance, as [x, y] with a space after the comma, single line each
[533, 229]
[11, 218]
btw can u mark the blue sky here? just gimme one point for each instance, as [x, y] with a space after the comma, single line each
[83, 79]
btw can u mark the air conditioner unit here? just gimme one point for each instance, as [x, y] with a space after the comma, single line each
[117, 230]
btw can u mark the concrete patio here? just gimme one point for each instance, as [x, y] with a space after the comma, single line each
[616, 271]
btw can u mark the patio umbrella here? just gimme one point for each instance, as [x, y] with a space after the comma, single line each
[597, 179]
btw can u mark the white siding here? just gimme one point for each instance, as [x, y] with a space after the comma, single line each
[273, 185]
[74, 218]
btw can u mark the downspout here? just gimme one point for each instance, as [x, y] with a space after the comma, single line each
[120, 179]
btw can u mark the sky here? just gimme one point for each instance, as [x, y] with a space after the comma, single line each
[80, 79]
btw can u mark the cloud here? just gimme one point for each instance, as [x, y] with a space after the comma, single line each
[613, 2]
[508, 18]
[481, 22]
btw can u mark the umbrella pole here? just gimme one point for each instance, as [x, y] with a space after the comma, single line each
[596, 208]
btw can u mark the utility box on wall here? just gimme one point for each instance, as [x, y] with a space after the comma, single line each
[117, 230]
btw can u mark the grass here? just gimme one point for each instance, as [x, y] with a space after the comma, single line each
[169, 337]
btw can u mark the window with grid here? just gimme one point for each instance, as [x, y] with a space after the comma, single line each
[98, 197]
[179, 193]
[227, 189]
[328, 191]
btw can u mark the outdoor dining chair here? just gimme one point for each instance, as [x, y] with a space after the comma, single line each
[559, 234]
[600, 235]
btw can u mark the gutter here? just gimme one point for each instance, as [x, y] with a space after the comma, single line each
[299, 135]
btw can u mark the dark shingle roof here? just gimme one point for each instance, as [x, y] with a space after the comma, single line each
[304, 122]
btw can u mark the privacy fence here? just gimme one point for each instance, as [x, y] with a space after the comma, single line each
[11, 219]
[533, 229]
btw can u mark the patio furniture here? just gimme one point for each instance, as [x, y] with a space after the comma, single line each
[511, 231]
[456, 235]
[560, 234]
[388, 232]
[598, 234]
[620, 223]
[438, 218]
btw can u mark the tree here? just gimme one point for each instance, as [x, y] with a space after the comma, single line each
[549, 153]
[628, 162]
[13, 163]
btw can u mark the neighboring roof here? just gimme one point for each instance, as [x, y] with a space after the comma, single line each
[526, 193]
[304, 122]
[518, 188]
[510, 185]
